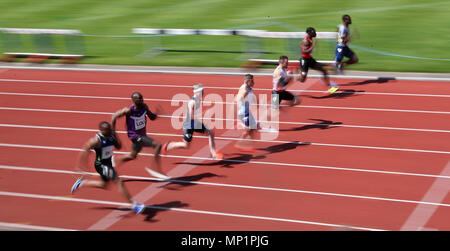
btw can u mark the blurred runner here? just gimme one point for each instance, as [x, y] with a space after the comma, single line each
[245, 98]
[136, 122]
[193, 123]
[281, 78]
[103, 143]
[307, 61]
[342, 49]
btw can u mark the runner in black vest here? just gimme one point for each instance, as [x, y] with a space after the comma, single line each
[103, 143]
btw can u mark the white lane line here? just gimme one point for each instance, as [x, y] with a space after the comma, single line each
[423, 212]
[197, 72]
[112, 203]
[16, 226]
[266, 141]
[281, 122]
[221, 119]
[218, 102]
[174, 180]
[237, 161]
[53, 110]
[177, 135]
[228, 103]
[26, 81]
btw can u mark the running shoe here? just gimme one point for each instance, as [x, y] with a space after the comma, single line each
[219, 156]
[156, 174]
[164, 148]
[138, 208]
[76, 185]
[333, 89]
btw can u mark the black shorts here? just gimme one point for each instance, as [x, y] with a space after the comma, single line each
[306, 63]
[141, 141]
[283, 95]
[106, 171]
[188, 132]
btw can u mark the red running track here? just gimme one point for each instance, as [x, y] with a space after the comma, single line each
[381, 164]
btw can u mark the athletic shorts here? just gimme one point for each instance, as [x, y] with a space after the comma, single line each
[343, 51]
[306, 63]
[106, 171]
[248, 120]
[141, 141]
[282, 95]
[189, 132]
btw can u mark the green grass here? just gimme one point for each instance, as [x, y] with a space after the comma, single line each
[412, 28]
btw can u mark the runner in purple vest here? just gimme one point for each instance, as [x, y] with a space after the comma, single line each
[136, 122]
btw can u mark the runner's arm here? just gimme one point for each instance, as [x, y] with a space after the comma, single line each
[241, 94]
[150, 114]
[191, 109]
[304, 46]
[344, 35]
[82, 164]
[118, 143]
[118, 114]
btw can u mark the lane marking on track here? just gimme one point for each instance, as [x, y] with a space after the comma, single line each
[223, 103]
[270, 141]
[281, 122]
[197, 72]
[227, 103]
[30, 81]
[423, 212]
[27, 227]
[237, 161]
[174, 180]
[102, 202]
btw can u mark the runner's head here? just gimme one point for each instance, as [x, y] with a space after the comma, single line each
[311, 32]
[198, 90]
[248, 80]
[137, 99]
[346, 19]
[105, 128]
[283, 61]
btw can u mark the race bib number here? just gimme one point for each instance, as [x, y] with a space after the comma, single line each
[139, 122]
[107, 152]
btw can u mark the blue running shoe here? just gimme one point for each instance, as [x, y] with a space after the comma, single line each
[138, 208]
[77, 184]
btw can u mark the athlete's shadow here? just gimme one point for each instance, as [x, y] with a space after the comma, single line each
[379, 80]
[337, 95]
[284, 147]
[322, 124]
[176, 183]
[151, 211]
[227, 162]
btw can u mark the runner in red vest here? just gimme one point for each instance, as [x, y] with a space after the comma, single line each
[307, 61]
